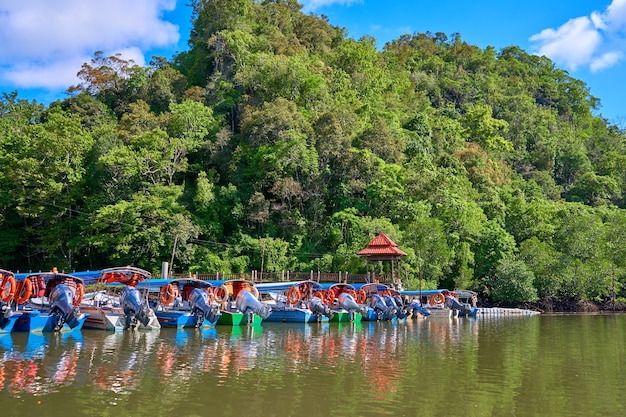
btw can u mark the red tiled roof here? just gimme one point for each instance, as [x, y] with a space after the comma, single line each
[381, 245]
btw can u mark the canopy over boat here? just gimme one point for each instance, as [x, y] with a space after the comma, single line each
[376, 288]
[285, 286]
[337, 286]
[235, 286]
[51, 280]
[126, 275]
[425, 293]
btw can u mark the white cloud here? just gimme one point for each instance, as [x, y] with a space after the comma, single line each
[311, 5]
[51, 75]
[572, 44]
[605, 61]
[616, 15]
[44, 43]
[594, 41]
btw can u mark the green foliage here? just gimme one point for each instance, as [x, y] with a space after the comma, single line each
[494, 245]
[512, 282]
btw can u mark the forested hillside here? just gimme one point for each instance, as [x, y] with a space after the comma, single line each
[277, 136]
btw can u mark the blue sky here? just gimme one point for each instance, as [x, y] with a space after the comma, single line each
[43, 43]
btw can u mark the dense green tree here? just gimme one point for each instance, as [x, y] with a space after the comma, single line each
[512, 282]
[494, 245]
[426, 236]
[43, 171]
[594, 190]
[143, 230]
[543, 260]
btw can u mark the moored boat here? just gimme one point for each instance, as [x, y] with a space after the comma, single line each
[48, 301]
[240, 303]
[114, 309]
[294, 302]
[341, 298]
[441, 303]
[381, 302]
[188, 302]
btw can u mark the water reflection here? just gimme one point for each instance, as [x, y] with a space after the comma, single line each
[118, 362]
[478, 367]
[39, 363]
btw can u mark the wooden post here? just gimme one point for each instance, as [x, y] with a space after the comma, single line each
[262, 260]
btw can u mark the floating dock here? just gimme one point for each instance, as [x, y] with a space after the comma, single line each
[501, 311]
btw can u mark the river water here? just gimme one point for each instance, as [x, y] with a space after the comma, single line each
[549, 365]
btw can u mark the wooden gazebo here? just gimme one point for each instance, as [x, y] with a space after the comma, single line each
[381, 248]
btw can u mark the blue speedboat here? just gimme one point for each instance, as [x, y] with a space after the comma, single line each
[48, 301]
[381, 302]
[188, 302]
[294, 302]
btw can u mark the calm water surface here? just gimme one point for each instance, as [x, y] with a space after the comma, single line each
[506, 366]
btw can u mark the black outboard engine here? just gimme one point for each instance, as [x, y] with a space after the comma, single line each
[202, 307]
[62, 309]
[393, 302]
[381, 308]
[135, 309]
[403, 310]
[248, 304]
[319, 309]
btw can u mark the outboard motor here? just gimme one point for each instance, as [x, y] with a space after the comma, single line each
[403, 311]
[381, 308]
[5, 313]
[455, 306]
[319, 309]
[202, 308]
[398, 307]
[415, 308]
[248, 304]
[135, 309]
[347, 302]
[62, 309]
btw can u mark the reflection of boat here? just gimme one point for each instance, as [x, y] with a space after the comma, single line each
[119, 361]
[6, 341]
[382, 302]
[53, 302]
[442, 302]
[40, 363]
[7, 292]
[119, 310]
[294, 302]
[241, 304]
[341, 298]
[188, 302]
